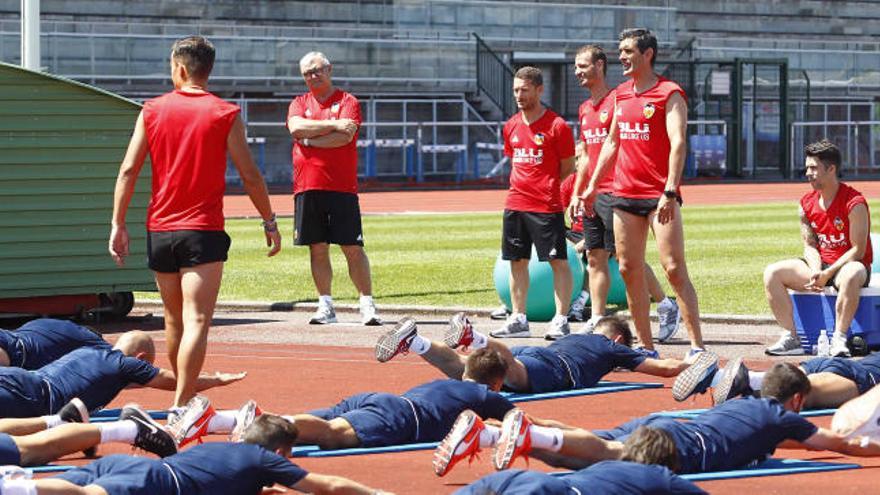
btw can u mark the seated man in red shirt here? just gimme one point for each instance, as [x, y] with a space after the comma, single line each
[835, 224]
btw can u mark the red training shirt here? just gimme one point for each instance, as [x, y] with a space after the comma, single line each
[325, 169]
[595, 122]
[186, 135]
[643, 156]
[566, 191]
[832, 225]
[535, 153]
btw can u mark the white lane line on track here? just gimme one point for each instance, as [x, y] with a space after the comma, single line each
[295, 358]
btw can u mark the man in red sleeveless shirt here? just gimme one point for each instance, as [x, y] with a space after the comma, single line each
[187, 134]
[324, 124]
[541, 150]
[595, 115]
[835, 226]
[647, 136]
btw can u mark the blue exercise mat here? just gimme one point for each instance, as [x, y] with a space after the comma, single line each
[773, 467]
[314, 451]
[693, 413]
[50, 468]
[602, 387]
[107, 415]
[770, 467]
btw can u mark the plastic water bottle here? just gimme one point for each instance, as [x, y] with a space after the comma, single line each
[823, 344]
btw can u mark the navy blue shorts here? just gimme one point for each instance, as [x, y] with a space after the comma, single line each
[547, 371]
[125, 475]
[378, 419]
[22, 394]
[9, 453]
[516, 482]
[864, 374]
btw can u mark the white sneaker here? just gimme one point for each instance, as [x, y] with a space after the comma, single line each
[838, 346]
[368, 315]
[669, 317]
[787, 345]
[557, 328]
[513, 328]
[576, 312]
[324, 315]
[590, 325]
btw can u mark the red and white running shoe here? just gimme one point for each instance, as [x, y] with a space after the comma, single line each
[515, 440]
[462, 441]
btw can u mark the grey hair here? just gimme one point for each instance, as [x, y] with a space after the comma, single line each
[309, 56]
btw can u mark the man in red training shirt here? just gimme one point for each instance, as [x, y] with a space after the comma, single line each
[324, 124]
[540, 146]
[647, 136]
[835, 226]
[594, 116]
[188, 133]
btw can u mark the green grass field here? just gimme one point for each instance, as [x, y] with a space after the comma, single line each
[447, 260]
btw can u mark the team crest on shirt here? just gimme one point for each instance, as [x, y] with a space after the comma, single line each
[308, 112]
[538, 138]
[603, 116]
[838, 223]
[334, 107]
[648, 110]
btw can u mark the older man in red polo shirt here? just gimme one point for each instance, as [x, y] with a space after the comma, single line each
[324, 124]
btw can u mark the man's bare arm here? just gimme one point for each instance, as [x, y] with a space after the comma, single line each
[811, 242]
[302, 128]
[333, 140]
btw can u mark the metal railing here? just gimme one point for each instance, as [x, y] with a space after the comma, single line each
[858, 140]
[494, 77]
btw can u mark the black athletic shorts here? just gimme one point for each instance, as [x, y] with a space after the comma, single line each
[168, 252]
[640, 207]
[327, 216]
[599, 228]
[521, 229]
[832, 282]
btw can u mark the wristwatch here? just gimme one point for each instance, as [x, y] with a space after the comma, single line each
[670, 194]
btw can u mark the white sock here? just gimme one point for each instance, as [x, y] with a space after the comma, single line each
[366, 300]
[519, 317]
[480, 340]
[19, 487]
[489, 436]
[52, 421]
[325, 300]
[546, 438]
[560, 318]
[756, 378]
[222, 422]
[420, 345]
[118, 431]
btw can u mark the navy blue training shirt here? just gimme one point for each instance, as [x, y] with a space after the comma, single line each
[95, 375]
[592, 356]
[222, 468]
[438, 404]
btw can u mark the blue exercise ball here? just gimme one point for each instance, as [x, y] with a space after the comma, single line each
[540, 303]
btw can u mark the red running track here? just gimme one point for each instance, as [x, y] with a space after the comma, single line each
[492, 200]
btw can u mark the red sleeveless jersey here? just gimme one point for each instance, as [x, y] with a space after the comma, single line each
[643, 156]
[535, 153]
[595, 122]
[832, 225]
[186, 135]
[325, 169]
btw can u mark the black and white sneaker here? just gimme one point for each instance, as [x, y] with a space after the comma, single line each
[734, 382]
[151, 436]
[74, 411]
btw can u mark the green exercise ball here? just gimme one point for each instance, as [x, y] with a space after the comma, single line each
[617, 291]
[540, 305]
